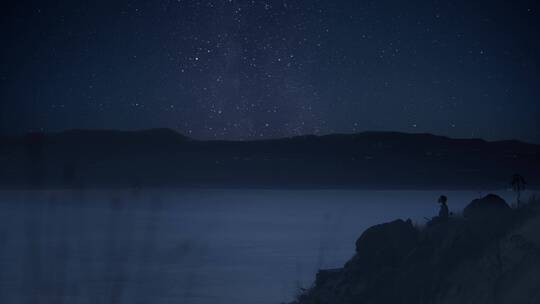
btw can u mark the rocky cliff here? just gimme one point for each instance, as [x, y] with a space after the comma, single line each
[490, 255]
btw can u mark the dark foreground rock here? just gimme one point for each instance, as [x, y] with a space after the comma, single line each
[469, 260]
[490, 206]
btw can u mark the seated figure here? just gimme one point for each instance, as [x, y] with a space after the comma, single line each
[443, 212]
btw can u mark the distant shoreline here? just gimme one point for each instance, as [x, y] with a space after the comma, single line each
[209, 188]
[165, 159]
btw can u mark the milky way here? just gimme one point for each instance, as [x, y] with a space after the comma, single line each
[266, 69]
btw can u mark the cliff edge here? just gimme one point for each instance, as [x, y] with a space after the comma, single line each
[490, 255]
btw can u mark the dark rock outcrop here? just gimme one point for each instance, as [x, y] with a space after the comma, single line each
[470, 260]
[386, 244]
[490, 206]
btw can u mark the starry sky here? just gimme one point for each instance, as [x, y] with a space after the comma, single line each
[239, 70]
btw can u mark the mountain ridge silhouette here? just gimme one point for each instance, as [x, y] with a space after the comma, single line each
[166, 158]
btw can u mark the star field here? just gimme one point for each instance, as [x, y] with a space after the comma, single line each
[264, 69]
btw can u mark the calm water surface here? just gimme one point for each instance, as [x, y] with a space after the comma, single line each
[188, 247]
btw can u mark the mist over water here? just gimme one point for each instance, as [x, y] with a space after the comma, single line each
[188, 246]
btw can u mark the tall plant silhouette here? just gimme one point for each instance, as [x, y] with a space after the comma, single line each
[518, 185]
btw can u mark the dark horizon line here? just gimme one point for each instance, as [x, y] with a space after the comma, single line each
[179, 133]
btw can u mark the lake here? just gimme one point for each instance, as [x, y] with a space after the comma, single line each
[188, 246]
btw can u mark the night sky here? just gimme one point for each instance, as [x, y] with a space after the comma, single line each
[263, 69]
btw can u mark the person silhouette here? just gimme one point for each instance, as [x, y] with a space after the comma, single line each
[443, 212]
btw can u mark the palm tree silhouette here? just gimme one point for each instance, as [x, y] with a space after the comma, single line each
[518, 185]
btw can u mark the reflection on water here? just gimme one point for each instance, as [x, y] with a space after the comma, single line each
[190, 247]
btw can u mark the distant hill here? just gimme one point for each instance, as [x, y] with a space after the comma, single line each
[165, 158]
